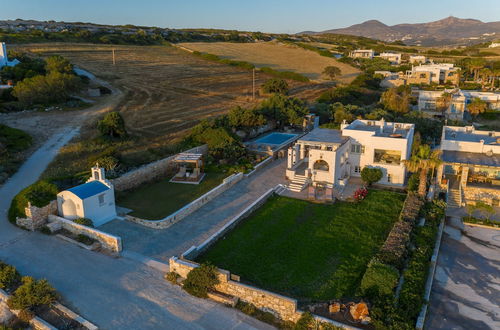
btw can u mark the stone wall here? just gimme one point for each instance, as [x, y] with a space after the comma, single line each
[108, 241]
[474, 194]
[191, 207]
[36, 322]
[281, 306]
[151, 171]
[36, 217]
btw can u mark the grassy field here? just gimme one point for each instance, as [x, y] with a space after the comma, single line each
[305, 250]
[167, 89]
[14, 144]
[157, 200]
[277, 56]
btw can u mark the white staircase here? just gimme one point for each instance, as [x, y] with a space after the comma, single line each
[299, 182]
[454, 198]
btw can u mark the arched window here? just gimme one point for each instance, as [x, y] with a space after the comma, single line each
[321, 165]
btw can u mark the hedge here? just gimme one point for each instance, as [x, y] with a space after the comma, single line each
[39, 194]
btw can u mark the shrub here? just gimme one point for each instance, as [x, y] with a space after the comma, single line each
[275, 86]
[379, 279]
[371, 175]
[84, 239]
[32, 294]
[305, 322]
[9, 277]
[200, 280]
[45, 230]
[39, 194]
[360, 194]
[112, 125]
[413, 182]
[85, 222]
[172, 277]
[26, 315]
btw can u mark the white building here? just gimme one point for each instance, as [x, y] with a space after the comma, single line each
[330, 157]
[94, 199]
[393, 58]
[417, 59]
[471, 165]
[4, 61]
[430, 102]
[362, 53]
[439, 73]
[494, 45]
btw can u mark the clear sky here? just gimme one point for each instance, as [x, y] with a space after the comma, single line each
[280, 16]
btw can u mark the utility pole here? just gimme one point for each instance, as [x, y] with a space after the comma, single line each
[113, 50]
[253, 84]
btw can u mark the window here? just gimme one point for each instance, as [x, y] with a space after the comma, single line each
[357, 169]
[389, 178]
[321, 165]
[357, 148]
[96, 175]
[392, 157]
[101, 199]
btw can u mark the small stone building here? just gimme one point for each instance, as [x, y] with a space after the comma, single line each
[94, 199]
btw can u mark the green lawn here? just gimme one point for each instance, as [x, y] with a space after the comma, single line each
[307, 250]
[157, 200]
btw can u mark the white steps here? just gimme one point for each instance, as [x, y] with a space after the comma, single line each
[453, 198]
[299, 182]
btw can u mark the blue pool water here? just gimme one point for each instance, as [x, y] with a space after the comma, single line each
[275, 138]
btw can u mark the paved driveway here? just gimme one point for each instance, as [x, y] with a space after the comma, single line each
[466, 289]
[114, 293]
[201, 224]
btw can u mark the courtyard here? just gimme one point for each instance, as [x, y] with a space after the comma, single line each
[306, 250]
[157, 200]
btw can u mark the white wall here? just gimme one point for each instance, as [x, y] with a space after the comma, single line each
[100, 214]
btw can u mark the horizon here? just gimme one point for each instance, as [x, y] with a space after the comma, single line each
[258, 16]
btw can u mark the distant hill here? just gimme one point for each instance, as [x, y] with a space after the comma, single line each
[447, 31]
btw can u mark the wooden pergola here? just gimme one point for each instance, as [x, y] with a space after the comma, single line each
[185, 174]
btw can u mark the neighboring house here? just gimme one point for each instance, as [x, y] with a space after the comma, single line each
[431, 104]
[94, 199]
[471, 165]
[362, 53]
[330, 157]
[417, 59]
[494, 45]
[4, 61]
[441, 73]
[393, 58]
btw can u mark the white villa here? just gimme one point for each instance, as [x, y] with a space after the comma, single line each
[439, 73]
[330, 157]
[471, 165]
[429, 102]
[394, 58]
[94, 199]
[362, 53]
[4, 61]
[417, 59]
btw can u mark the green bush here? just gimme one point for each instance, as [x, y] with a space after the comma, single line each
[275, 86]
[84, 239]
[32, 294]
[263, 316]
[39, 194]
[371, 175]
[45, 230]
[26, 315]
[9, 277]
[85, 222]
[413, 182]
[379, 279]
[112, 125]
[305, 322]
[172, 277]
[200, 280]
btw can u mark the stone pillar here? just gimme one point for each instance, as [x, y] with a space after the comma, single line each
[302, 151]
[296, 148]
[439, 173]
[465, 175]
[290, 158]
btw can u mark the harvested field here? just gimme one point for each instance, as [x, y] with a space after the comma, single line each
[277, 56]
[166, 89]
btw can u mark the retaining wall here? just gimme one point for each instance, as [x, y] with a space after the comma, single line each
[189, 208]
[36, 217]
[108, 241]
[151, 171]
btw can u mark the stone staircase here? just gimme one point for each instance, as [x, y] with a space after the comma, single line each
[453, 198]
[298, 183]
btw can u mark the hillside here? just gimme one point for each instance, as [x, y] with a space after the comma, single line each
[447, 31]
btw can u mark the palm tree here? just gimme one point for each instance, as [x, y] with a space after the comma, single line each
[444, 102]
[485, 75]
[423, 160]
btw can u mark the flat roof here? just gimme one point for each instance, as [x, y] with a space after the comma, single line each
[473, 158]
[452, 135]
[325, 135]
[387, 131]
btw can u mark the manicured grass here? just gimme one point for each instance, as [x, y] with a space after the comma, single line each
[305, 250]
[157, 200]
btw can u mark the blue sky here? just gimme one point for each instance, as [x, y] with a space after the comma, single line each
[280, 16]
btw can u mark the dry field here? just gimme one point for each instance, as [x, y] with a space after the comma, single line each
[277, 56]
[166, 90]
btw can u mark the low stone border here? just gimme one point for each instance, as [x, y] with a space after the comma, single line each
[69, 313]
[108, 241]
[259, 166]
[191, 207]
[92, 247]
[430, 278]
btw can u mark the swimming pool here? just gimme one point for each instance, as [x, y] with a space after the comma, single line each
[275, 138]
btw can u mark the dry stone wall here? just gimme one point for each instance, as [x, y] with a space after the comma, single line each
[473, 194]
[36, 217]
[108, 241]
[189, 208]
[151, 171]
